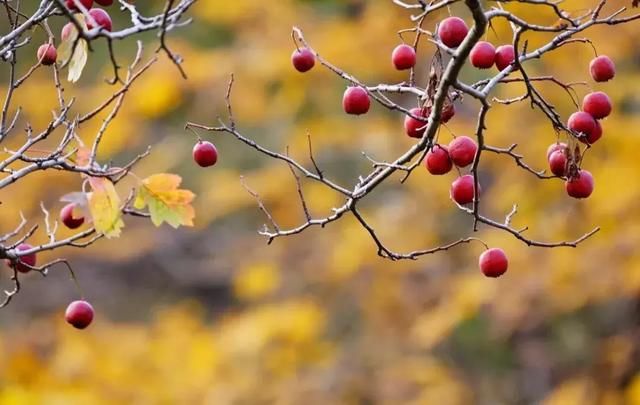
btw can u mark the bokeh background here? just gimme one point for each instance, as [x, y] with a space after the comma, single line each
[213, 315]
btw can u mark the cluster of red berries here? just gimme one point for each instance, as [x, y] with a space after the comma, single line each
[586, 124]
[47, 53]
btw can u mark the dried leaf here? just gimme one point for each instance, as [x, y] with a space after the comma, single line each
[166, 202]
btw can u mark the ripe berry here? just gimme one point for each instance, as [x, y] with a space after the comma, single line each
[438, 161]
[462, 151]
[67, 218]
[205, 154]
[303, 59]
[505, 56]
[582, 122]
[594, 135]
[602, 69]
[483, 55]
[47, 54]
[71, 4]
[79, 314]
[452, 31]
[403, 57]
[558, 163]
[580, 186]
[104, 3]
[101, 18]
[356, 101]
[413, 127]
[597, 104]
[555, 147]
[462, 189]
[24, 261]
[448, 111]
[493, 262]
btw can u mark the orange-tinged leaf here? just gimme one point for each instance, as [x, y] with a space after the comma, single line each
[104, 205]
[166, 202]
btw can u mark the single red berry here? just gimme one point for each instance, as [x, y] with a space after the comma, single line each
[403, 57]
[558, 163]
[580, 186]
[356, 101]
[413, 127]
[594, 135]
[67, 30]
[448, 111]
[582, 123]
[205, 154]
[47, 54]
[462, 151]
[452, 31]
[505, 56]
[303, 59]
[597, 104]
[602, 69]
[438, 161]
[71, 4]
[79, 314]
[101, 18]
[25, 261]
[555, 147]
[67, 218]
[493, 262]
[462, 189]
[105, 3]
[483, 55]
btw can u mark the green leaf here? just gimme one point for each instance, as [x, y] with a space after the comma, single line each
[78, 61]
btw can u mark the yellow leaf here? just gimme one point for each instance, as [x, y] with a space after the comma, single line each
[78, 61]
[166, 202]
[104, 205]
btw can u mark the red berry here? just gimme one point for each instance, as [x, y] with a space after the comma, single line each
[413, 127]
[462, 151]
[438, 161]
[24, 261]
[356, 101]
[47, 54]
[67, 218]
[101, 18]
[597, 104]
[555, 147]
[303, 59]
[602, 69]
[67, 30]
[505, 56]
[594, 135]
[558, 163]
[448, 111]
[104, 3]
[462, 189]
[580, 186]
[403, 57]
[582, 122]
[483, 55]
[205, 154]
[493, 262]
[79, 314]
[452, 31]
[71, 4]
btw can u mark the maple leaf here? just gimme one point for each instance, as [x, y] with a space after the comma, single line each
[104, 205]
[166, 202]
